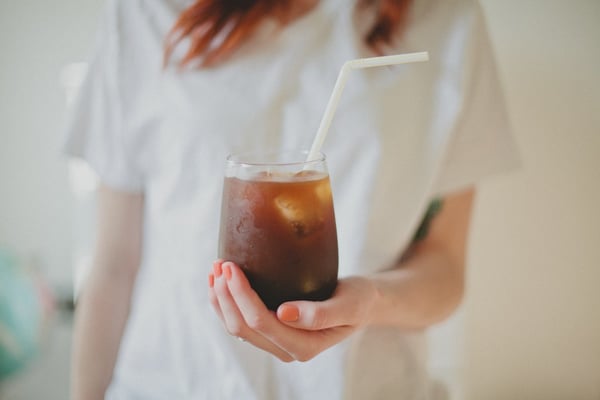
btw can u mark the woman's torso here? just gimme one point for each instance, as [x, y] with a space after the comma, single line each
[383, 150]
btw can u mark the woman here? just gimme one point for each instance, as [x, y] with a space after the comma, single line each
[156, 122]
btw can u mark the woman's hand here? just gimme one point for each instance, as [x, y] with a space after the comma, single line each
[299, 330]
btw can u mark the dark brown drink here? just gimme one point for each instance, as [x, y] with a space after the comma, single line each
[280, 229]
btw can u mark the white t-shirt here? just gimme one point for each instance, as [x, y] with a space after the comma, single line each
[400, 136]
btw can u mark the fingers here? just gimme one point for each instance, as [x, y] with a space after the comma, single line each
[229, 313]
[256, 314]
[211, 293]
[244, 315]
[302, 345]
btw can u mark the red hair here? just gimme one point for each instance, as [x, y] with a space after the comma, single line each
[215, 28]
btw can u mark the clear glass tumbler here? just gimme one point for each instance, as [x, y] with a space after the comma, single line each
[278, 225]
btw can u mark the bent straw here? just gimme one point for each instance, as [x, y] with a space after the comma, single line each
[341, 83]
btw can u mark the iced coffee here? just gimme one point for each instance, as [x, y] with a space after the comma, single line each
[278, 225]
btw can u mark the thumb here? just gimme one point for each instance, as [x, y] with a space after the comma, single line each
[313, 315]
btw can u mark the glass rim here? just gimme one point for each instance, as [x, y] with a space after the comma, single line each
[245, 158]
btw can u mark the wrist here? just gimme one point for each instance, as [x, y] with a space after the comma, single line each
[374, 301]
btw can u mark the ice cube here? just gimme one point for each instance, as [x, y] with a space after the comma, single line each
[323, 191]
[309, 284]
[289, 207]
[302, 218]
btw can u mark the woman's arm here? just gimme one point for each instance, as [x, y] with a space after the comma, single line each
[423, 289]
[103, 306]
[428, 285]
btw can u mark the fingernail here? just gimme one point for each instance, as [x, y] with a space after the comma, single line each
[288, 313]
[227, 271]
[217, 269]
[211, 280]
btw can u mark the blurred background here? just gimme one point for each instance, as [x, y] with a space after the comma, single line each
[530, 325]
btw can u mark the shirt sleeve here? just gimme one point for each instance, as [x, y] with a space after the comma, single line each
[96, 127]
[482, 144]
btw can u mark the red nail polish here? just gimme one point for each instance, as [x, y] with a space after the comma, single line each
[227, 271]
[211, 280]
[217, 270]
[288, 313]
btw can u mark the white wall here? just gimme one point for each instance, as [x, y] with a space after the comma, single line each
[533, 308]
[37, 38]
[534, 286]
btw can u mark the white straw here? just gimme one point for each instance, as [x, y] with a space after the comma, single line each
[341, 83]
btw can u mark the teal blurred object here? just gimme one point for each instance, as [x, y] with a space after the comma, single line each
[20, 315]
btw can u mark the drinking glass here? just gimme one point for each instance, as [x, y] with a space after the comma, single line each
[278, 225]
